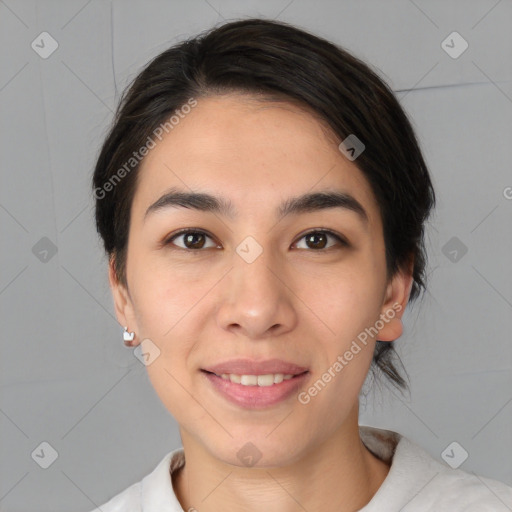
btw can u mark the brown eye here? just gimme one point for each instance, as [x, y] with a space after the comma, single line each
[193, 240]
[196, 240]
[318, 240]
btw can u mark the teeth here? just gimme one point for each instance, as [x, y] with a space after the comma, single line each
[256, 380]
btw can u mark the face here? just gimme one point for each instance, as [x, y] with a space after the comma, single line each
[207, 287]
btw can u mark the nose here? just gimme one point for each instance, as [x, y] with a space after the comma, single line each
[257, 299]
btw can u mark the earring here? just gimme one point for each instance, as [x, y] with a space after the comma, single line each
[127, 336]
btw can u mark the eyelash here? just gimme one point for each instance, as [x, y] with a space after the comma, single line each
[169, 240]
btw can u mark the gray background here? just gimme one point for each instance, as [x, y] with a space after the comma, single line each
[66, 377]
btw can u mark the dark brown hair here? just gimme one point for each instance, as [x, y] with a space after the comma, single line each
[276, 60]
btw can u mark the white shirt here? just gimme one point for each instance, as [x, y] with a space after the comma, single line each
[416, 482]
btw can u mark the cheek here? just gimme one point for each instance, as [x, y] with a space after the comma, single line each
[163, 294]
[169, 317]
[168, 303]
[349, 306]
[345, 300]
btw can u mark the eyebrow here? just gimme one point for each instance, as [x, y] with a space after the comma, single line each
[306, 203]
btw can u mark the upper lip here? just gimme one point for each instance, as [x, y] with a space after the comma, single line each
[251, 367]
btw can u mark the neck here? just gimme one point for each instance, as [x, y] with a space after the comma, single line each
[340, 475]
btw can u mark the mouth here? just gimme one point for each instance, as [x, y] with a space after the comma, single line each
[263, 380]
[253, 367]
[255, 391]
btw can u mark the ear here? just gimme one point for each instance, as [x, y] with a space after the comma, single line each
[122, 302]
[395, 301]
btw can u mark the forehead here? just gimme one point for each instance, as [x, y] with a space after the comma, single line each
[254, 152]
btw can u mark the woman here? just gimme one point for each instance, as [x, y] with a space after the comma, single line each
[262, 198]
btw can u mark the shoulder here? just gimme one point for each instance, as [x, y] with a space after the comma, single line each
[154, 489]
[417, 482]
[438, 486]
[126, 501]
[457, 490]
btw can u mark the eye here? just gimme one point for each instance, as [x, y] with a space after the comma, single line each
[192, 239]
[318, 239]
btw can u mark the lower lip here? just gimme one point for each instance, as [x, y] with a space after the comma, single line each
[255, 397]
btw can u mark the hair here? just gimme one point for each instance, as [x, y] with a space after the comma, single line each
[277, 61]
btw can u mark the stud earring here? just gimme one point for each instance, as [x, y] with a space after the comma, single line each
[128, 336]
